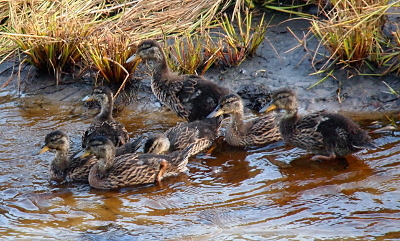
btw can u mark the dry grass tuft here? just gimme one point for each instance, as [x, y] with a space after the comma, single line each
[55, 35]
[235, 41]
[108, 54]
[352, 31]
[186, 54]
[152, 19]
[241, 38]
[49, 33]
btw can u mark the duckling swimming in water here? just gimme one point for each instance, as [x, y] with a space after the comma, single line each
[104, 123]
[259, 131]
[130, 169]
[177, 138]
[328, 135]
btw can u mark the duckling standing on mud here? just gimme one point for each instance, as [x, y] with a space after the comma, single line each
[328, 135]
[191, 97]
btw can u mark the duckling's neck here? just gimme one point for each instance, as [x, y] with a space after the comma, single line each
[236, 125]
[107, 161]
[161, 67]
[290, 114]
[106, 110]
[288, 121]
[60, 161]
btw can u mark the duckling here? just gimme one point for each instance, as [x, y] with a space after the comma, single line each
[259, 131]
[328, 135]
[62, 167]
[130, 169]
[71, 169]
[190, 97]
[104, 124]
[177, 138]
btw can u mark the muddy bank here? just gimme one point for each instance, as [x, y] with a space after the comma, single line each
[272, 67]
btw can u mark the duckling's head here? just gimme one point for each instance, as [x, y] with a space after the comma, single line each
[284, 99]
[99, 146]
[148, 49]
[56, 140]
[229, 104]
[101, 94]
[157, 144]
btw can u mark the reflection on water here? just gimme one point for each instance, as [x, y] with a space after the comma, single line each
[261, 193]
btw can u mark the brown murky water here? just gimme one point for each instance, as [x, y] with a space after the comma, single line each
[269, 193]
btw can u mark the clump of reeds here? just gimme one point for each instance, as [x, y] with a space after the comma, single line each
[107, 55]
[186, 54]
[48, 33]
[236, 40]
[240, 39]
[392, 59]
[352, 32]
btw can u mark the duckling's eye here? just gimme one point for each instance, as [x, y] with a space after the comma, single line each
[96, 143]
[145, 46]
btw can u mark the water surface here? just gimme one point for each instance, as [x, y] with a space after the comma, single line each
[260, 193]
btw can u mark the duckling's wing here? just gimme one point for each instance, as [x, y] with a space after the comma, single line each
[78, 168]
[177, 93]
[114, 130]
[262, 130]
[180, 136]
[194, 97]
[133, 169]
[187, 92]
[263, 124]
[339, 131]
[307, 132]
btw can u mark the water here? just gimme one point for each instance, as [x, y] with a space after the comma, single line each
[269, 193]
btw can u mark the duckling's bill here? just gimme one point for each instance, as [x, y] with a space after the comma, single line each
[215, 113]
[269, 107]
[83, 153]
[88, 98]
[41, 150]
[133, 58]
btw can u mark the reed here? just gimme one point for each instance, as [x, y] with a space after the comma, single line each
[240, 38]
[186, 53]
[49, 33]
[107, 54]
[352, 32]
[391, 60]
